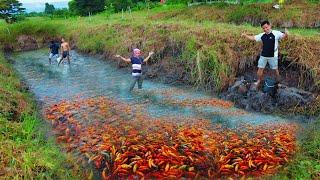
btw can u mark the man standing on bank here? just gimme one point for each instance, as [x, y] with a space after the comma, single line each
[270, 43]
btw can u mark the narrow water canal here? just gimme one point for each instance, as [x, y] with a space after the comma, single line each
[159, 131]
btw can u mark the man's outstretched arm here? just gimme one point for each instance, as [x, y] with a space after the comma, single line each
[286, 33]
[122, 58]
[252, 38]
[149, 56]
[61, 51]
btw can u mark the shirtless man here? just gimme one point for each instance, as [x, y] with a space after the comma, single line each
[65, 51]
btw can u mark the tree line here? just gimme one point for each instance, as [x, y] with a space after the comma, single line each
[11, 10]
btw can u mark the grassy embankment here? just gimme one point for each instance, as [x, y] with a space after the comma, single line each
[299, 15]
[25, 151]
[209, 51]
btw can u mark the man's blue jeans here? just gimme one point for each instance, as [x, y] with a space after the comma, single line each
[136, 79]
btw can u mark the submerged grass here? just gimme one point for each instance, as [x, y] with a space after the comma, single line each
[25, 151]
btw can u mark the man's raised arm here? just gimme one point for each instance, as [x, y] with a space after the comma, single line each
[122, 58]
[252, 38]
[149, 56]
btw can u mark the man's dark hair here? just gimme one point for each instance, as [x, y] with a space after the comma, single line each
[265, 22]
[52, 42]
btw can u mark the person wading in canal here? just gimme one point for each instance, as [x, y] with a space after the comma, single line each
[65, 51]
[53, 50]
[136, 61]
[270, 43]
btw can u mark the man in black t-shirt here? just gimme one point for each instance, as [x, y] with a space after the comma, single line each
[270, 43]
[53, 50]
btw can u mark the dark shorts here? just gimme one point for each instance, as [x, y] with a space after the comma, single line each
[65, 54]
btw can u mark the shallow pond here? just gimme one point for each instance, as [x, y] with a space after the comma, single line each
[159, 131]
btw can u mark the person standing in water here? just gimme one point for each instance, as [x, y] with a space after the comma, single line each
[136, 61]
[53, 50]
[270, 43]
[65, 51]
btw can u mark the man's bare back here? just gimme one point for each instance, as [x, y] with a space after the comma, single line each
[65, 51]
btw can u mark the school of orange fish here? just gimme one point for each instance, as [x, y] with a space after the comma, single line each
[122, 141]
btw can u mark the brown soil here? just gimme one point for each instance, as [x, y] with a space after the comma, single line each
[27, 43]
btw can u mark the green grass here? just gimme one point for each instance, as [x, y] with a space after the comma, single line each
[305, 32]
[306, 164]
[2, 22]
[259, 1]
[25, 151]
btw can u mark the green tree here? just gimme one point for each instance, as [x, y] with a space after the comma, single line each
[62, 13]
[73, 7]
[118, 5]
[86, 7]
[10, 10]
[49, 9]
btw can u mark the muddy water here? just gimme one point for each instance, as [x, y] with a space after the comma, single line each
[159, 131]
[91, 77]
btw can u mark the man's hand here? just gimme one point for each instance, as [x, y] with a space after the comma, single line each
[151, 53]
[243, 35]
[122, 58]
[247, 36]
[286, 31]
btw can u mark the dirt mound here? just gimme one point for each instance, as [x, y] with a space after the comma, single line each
[27, 43]
[282, 99]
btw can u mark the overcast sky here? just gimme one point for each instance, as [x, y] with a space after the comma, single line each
[38, 5]
[41, 1]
